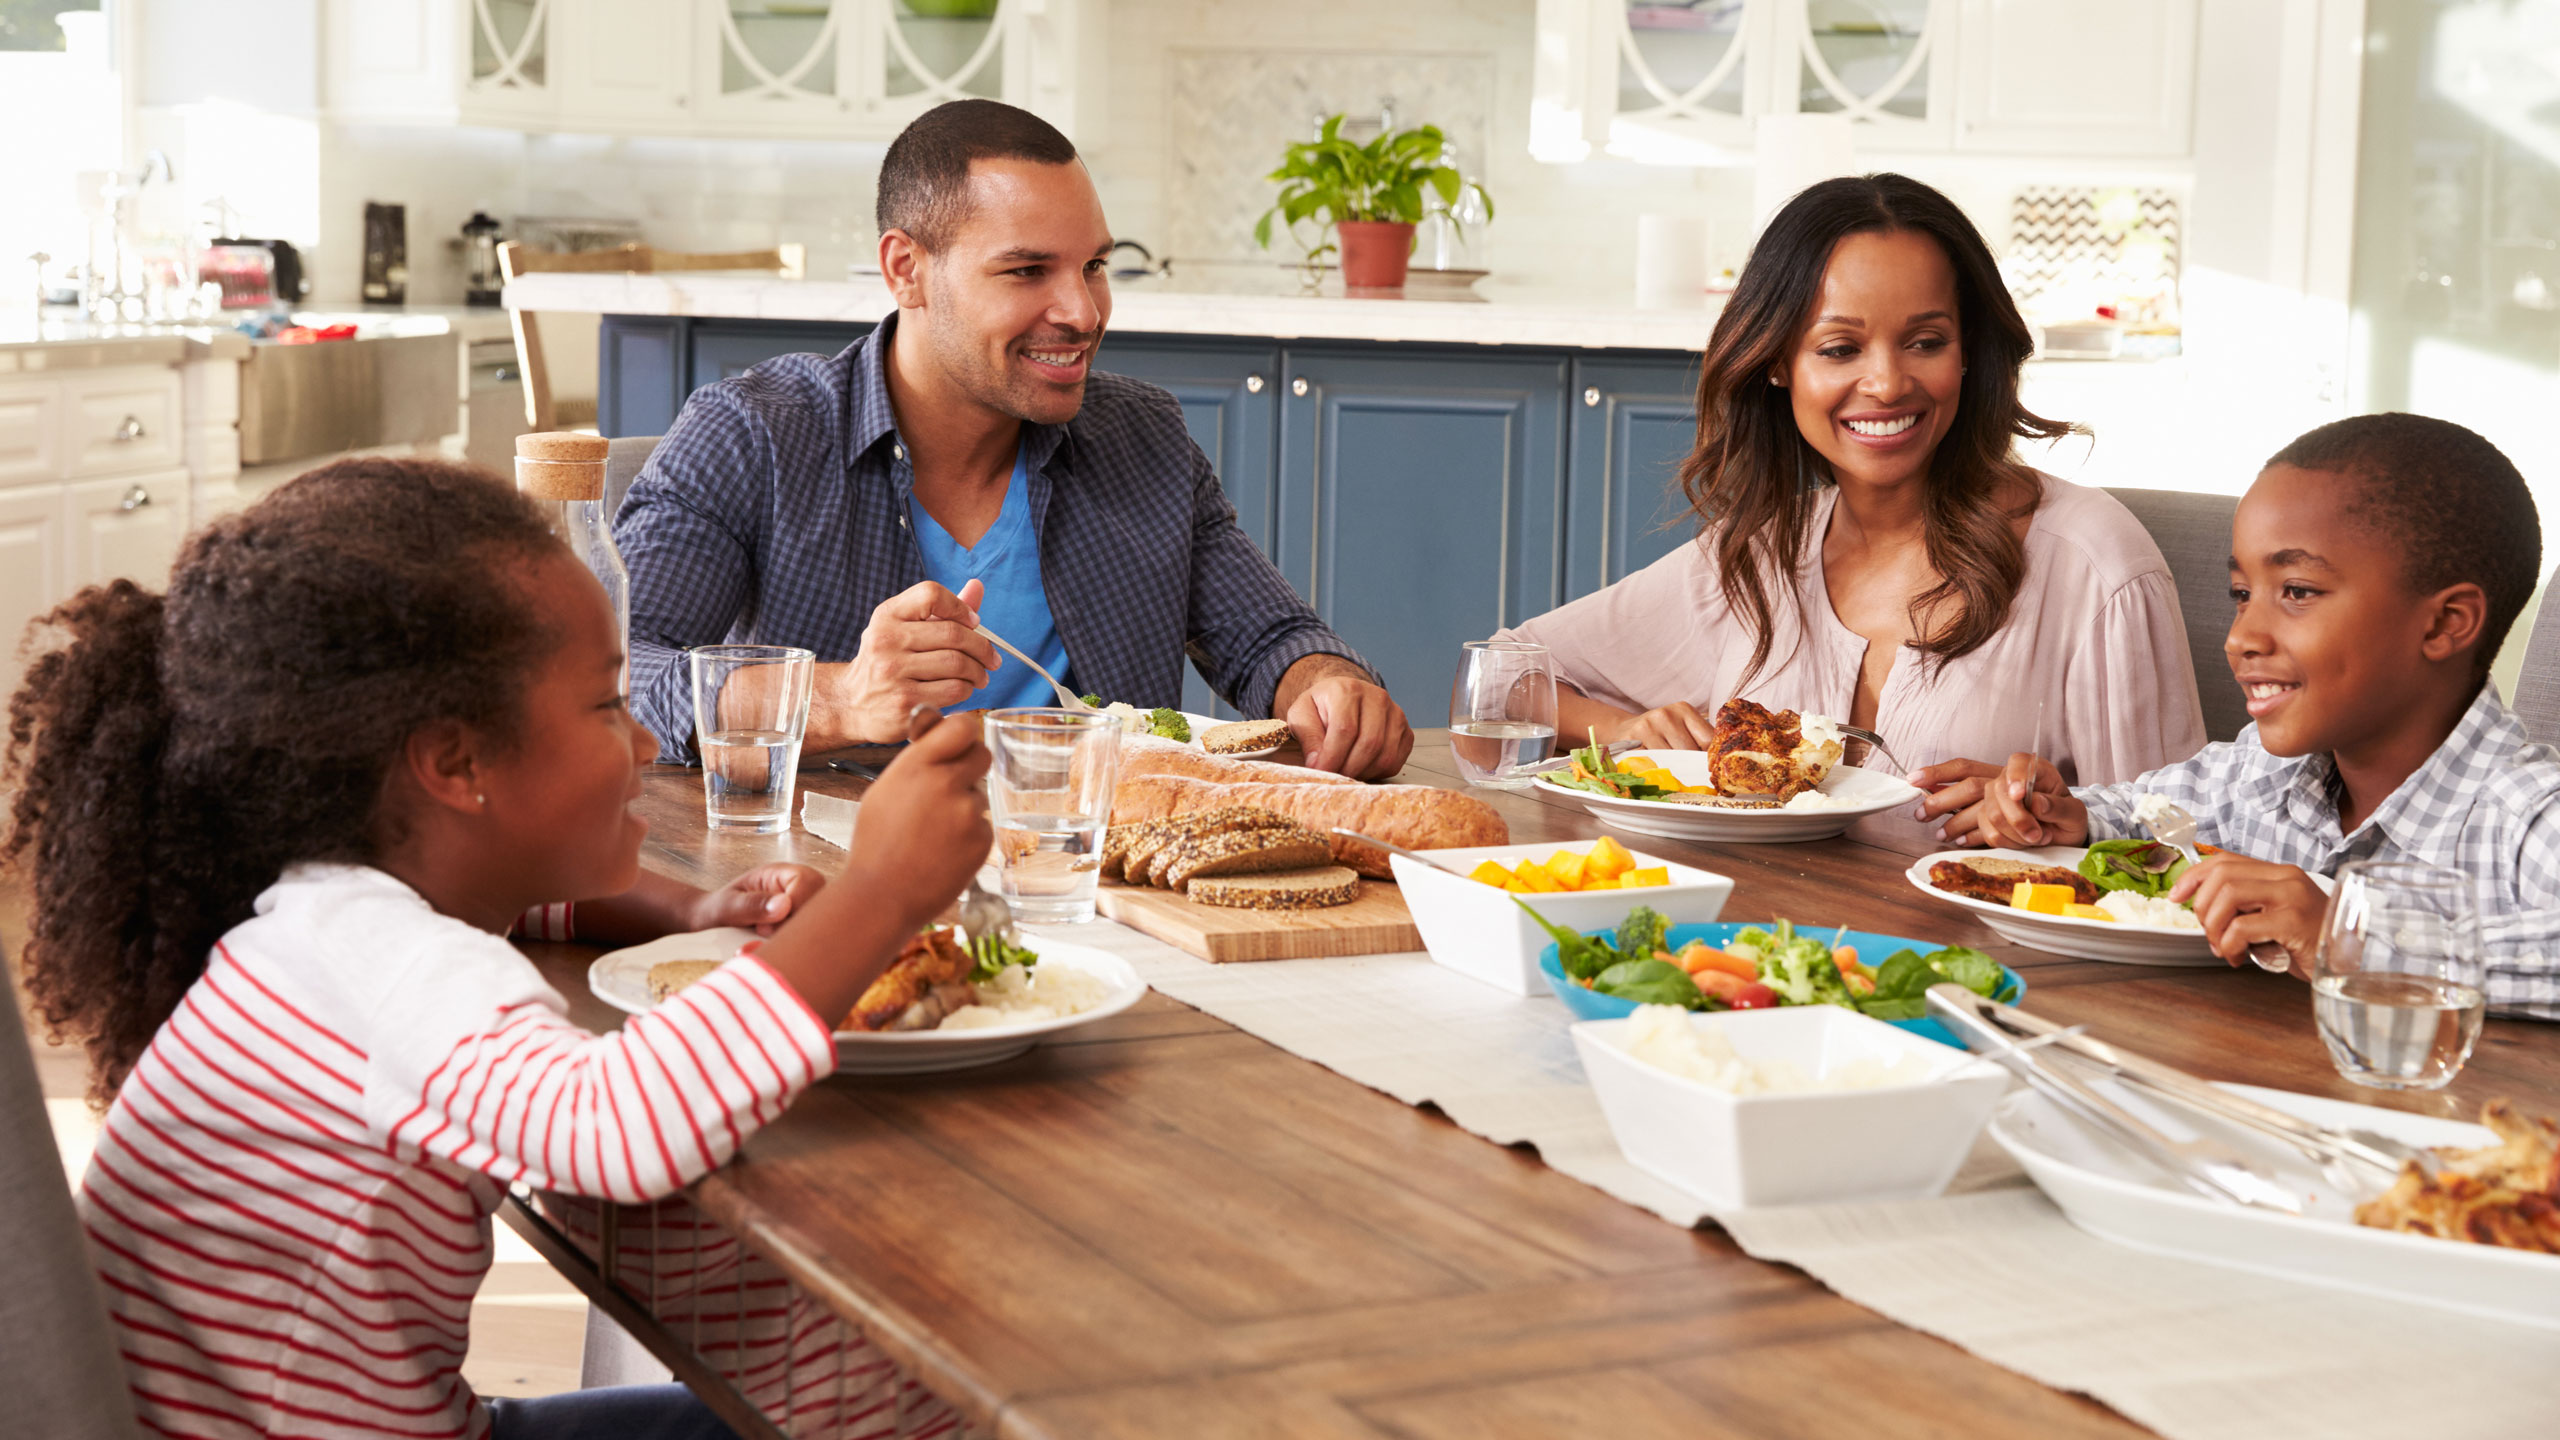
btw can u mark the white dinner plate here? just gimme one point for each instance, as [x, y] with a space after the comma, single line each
[620, 978]
[2112, 940]
[1203, 722]
[2113, 1194]
[1858, 793]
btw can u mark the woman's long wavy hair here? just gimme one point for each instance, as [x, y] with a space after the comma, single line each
[1752, 478]
[170, 756]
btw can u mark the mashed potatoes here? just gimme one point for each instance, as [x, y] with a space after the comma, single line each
[1024, 996]
[1662, 1037]
[2155, 911]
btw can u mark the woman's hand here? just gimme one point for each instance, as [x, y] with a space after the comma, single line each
[1677, 726]
[2243, 902]
[2022, 804]
[761, 898]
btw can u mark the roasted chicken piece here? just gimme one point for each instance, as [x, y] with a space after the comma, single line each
[928, 980]
[2506, 1194]
[1759, 751]
[1996, 880]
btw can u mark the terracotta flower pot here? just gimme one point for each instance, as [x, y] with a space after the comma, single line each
[1374, 253]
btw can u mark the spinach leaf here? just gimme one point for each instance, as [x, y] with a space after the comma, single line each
[1650, 982]
[1581, 956]
[1899, 1007]
[1969, 968]
[1903, 976]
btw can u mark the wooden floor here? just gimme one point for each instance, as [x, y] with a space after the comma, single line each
[527, 1327]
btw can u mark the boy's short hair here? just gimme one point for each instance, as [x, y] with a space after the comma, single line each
[2454, 507]
[924, 179]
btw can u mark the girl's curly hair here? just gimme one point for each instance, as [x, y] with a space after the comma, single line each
[171, 756]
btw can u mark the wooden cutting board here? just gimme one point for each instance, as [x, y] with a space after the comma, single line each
[1375, 924]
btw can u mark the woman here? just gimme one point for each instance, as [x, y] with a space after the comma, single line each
[1870, 546]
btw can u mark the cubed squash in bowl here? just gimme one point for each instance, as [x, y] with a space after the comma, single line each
[1480, 931]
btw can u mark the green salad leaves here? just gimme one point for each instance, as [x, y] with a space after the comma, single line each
[1636, 964]
[1162, 723]
[993, 954]
[1594, 771]
[2145, 867]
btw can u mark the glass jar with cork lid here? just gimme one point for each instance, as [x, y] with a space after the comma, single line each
[563, 472]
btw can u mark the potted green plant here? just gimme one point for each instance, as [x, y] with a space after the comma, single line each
[1369, 197]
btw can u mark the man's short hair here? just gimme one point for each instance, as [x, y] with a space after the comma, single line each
[924, 180]
[2445, 498]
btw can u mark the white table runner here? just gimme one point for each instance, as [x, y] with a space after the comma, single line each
[2196, 1352]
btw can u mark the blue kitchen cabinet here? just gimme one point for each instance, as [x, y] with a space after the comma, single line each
[1634, 421]
[1230, 396]
[640, 373]
[1422, 500]
[724, 350]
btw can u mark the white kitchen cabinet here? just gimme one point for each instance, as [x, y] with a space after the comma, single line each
[2064, 77]
[1671, 83]
[32, 557]
[30, 432]
[798, 69]
[120, 421]
[127, 528]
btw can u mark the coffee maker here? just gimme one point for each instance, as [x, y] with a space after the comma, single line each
[482, 279]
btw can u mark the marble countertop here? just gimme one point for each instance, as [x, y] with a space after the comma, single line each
[1263, 301]
[31, 347]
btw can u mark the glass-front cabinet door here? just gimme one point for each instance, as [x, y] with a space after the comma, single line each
[509, 66]
[1886, 64]
[875, 63]
[1685, 71]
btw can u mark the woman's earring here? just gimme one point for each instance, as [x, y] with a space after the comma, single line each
[483, 801]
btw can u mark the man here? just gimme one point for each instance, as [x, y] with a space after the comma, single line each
[964, 465]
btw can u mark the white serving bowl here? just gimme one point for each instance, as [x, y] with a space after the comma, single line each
[1903, 1142]
[1474, 929]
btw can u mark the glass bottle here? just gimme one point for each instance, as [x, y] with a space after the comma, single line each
[563, 472]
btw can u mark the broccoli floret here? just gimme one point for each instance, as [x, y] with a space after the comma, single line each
[1093, 700]
[1643, 932]
[1168, 724]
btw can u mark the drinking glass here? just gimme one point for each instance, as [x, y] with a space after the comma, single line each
[750, 711]
[1049, 794]
[1502, 711]
[2396, 982]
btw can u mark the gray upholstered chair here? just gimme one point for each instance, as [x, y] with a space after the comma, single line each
[2194, 536]
[58, 1363]
[622, 461]
[2537, 697]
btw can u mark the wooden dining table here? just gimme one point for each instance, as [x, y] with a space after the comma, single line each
[1159, 1225]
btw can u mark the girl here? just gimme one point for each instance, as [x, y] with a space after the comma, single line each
[277, 824]
[1870, 546]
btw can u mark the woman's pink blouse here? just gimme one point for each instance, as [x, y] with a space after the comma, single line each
[2091, 671]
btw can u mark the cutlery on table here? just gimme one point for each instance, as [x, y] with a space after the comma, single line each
[1875, 746]
[2174, 827]
[2207, 1167]
[1066, 698]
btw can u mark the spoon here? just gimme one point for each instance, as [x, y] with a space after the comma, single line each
[2172, 826]
[1066, 697]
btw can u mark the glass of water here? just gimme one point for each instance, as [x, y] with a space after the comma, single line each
[1049, 793]
[1502, 711]
[750, 710]
[2396, 984]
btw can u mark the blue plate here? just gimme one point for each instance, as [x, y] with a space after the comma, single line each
[1592, 1005]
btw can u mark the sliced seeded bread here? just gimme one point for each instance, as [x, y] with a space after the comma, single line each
[1316, 889]
[1240, 852]
[1146, 851]
[1240, 736]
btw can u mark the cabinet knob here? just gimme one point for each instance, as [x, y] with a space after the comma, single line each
[1590, 395]
[134, 499]
[130, 431]
[1253, 384]
[1298, 386]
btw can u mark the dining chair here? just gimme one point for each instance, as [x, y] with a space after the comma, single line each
[623, 458]
[790, 262]
[58, 1360]
[2194, 536]
[2537, 697]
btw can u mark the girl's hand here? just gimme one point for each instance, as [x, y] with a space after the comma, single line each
[761, 898]
[2021, 804]
[2242, 902]
[923, 829]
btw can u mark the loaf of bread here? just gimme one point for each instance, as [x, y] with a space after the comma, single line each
[1130, 851]
[1147, 755]
[1417, 816]
[1240, 852]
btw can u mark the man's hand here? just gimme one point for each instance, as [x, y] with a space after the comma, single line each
[1344, 721]
[2242, 902]
[921, 648]
[762, 898]
[2022, 804]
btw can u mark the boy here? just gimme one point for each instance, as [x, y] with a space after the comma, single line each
[2377, 565]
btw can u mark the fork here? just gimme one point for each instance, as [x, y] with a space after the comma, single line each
[2174, 827]
[1066, 697]
[1875, 743]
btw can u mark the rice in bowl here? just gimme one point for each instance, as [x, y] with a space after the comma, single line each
[1021, 995]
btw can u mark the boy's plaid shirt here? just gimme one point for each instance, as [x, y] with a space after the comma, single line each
[2487, 804]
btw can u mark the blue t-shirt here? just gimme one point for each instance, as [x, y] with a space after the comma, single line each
[1007, 558]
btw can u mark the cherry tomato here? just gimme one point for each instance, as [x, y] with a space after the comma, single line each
[1754, 996]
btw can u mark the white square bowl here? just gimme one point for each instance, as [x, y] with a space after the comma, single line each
[1474, 929]
[1903, 1142]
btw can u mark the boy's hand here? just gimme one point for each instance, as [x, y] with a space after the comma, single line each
[923, 830]
[2242, 902]
[2022, 804]
[761, 898]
